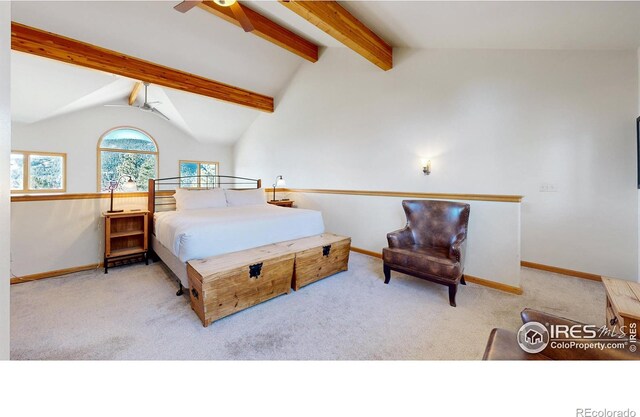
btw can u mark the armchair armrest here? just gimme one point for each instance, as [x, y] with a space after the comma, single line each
[399, 238]
[458, 248]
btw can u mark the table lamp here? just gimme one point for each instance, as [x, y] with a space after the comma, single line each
[279, 183]
[129, 186]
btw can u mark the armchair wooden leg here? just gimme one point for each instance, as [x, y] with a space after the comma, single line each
[387, 273]
[453, 289]
[462, 281]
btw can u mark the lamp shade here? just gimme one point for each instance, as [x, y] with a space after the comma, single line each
[280, 182]
[129, 186]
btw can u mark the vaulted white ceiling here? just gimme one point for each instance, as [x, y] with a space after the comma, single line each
[195, 42]
[503, 24]
[203, 44]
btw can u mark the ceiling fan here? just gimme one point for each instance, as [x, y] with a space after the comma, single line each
[146, 106]
[235, 7]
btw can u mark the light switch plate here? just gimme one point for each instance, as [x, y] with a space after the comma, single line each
[548, 188]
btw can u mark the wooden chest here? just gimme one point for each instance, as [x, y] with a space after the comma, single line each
[623, 306]
[318, 257]
[225, 284]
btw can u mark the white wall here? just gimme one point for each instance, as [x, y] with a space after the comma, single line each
[498, 122]
[368, 220]
[78, 133]
[5, 148]
[54, 235]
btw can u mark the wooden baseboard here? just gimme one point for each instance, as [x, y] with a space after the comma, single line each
[562, 271]
[469, 278]
[492, 284]
[367, 252]
[56, 273]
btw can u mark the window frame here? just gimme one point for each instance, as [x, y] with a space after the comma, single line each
[199, 186]
[26, 174]
[101, 149]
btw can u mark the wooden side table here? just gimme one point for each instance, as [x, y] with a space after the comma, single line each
[125, 236]
[281, 203]
[623, 306]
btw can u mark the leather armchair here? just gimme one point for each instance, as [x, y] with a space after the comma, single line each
[503, 344]
[432, 245]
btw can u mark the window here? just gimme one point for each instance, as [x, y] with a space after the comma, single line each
[198, 170]
[38, 172]
[127, 151]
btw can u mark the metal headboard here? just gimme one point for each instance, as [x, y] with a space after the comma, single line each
[161, 190]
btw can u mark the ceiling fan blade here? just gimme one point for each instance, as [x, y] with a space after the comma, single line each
[159, 113]
[236, 8]
[116, 105]
[185, 6]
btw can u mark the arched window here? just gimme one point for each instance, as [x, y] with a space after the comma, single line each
[127, 151]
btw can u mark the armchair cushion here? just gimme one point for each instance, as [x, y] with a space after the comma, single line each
[503, 346]
[424, 260]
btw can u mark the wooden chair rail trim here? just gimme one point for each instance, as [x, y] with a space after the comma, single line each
[562, 271]
[409, 194]
[469, 278]
[81, 196]
[404, 194]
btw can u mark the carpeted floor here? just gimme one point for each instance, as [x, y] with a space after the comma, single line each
[133, 313]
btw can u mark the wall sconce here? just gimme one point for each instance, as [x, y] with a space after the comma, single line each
[426, 166]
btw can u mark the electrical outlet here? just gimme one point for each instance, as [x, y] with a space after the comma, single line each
[548, 188]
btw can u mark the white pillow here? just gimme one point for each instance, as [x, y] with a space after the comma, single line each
[246, 197]
[199, 199]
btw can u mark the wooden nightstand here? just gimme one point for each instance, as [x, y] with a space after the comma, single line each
[125, 236]
[281, 203]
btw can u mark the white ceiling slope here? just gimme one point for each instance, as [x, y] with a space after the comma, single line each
[43, 88]
[503, 24]
[196, 42]
[203, 44]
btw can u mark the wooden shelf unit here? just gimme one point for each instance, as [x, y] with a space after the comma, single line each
[125, 235]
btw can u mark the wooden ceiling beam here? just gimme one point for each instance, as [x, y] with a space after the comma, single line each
[266, 29]
[336, 21]
[49, 45]
[134, 93]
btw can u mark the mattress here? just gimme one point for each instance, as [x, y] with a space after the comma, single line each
[196, 234]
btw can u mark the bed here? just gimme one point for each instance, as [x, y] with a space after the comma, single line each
[178, 236]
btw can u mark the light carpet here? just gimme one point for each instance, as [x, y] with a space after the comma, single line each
[133, 313]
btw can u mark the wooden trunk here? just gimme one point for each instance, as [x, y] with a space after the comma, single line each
[225, 284]
[623, 307]
[318, 257]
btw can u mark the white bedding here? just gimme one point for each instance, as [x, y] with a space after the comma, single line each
[194, 234]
